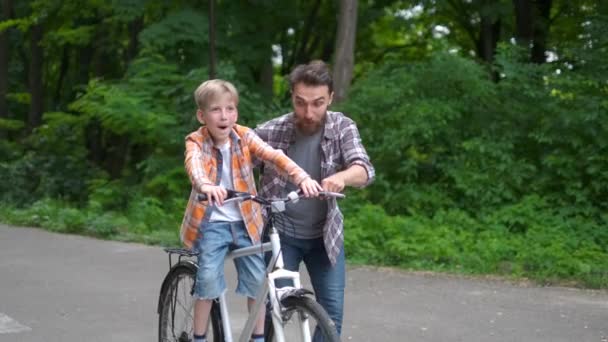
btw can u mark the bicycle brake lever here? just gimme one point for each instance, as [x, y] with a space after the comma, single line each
[293, 196]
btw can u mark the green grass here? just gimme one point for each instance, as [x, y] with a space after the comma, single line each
[526, 240]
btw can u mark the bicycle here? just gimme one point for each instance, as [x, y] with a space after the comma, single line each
[296, 316]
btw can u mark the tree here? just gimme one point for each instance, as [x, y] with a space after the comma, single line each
[212, 61]
[35, 76]
[532, 26]
[4, 59]
[344, 59]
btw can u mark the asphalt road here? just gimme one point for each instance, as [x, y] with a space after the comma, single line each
[56, 287]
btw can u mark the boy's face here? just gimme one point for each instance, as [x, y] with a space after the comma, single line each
[219, 116]
[310, 106]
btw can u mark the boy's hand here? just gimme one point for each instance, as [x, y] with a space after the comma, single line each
[310, 187]
[215, 193]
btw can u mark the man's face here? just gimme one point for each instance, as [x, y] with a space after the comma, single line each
[310, 106]
[219, 116]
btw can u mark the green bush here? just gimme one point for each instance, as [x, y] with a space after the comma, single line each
[526, 239]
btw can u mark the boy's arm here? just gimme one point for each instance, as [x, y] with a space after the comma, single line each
[264, 134]
[282, 163]
[194, 165]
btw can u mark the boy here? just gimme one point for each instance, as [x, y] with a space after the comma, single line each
[218, 157]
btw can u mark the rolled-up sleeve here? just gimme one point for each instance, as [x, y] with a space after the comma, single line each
[353, 151]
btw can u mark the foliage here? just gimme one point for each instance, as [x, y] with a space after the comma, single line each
[527, 239]
[143, 222]
[483, 144]
[485, 164]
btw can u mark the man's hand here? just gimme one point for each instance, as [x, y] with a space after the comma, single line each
[356, 175]
[333, 183]
[215, 193]
[310, 187]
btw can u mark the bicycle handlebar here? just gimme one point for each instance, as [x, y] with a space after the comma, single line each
[293, 196]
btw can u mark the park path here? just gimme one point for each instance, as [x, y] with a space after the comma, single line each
[66, 288]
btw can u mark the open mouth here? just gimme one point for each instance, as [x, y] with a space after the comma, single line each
[223, 127]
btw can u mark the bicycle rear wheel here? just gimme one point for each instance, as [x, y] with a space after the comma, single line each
[176, 311]
[295, 310]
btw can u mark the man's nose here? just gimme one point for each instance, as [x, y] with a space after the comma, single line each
[308, 113]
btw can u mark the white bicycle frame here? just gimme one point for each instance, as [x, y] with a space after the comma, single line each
[268, 287]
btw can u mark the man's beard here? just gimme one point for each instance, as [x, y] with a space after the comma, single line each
[309, 128]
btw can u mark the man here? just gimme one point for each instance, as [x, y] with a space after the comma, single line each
[328, 147]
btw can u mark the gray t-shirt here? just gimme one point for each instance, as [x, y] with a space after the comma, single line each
[307, 216]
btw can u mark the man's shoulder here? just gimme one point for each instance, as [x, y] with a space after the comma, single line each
[340, 118]
[338, 122]
[276, 123]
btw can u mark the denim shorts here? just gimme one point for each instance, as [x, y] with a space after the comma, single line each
[215, 240]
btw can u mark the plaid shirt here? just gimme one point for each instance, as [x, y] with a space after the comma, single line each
[203, 160]
[341, 148]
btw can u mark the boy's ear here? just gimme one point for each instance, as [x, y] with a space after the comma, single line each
[331, 98]
[199, 116]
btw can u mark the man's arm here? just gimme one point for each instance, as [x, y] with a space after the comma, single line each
[359, 171]
[355, 175]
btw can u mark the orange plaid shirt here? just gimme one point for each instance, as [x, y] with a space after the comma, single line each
[202, 167]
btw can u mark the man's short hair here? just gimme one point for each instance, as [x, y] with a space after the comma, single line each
[211, 89]
[315, 73]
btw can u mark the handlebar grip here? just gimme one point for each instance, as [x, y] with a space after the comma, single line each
[231, 194]
[331, 194]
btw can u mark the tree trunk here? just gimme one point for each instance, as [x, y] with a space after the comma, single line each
[523, 22]
[298, 54]
[345, 48]
[63, 70]
[488, 39]
[135, 28]
[4, 61]
[35, 77]
[267, 76]
[212, 58]
[541, 31]
[532, 26]
[85, 57]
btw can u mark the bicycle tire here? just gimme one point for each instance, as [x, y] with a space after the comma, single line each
[294, 308]
[176, 308]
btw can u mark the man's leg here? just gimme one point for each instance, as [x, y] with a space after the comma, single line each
[292, 253]
[328, 281]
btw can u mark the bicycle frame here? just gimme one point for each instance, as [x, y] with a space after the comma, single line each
[267, 288]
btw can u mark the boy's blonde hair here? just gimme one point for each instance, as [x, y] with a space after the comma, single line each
[211, 89]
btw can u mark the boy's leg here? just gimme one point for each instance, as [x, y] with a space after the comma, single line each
[259, 323]
[251, 272]
[328, 282]
[212, 246]
[202, 307]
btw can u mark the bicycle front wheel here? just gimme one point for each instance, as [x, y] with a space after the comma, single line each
[176, 312]
[298, 310]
